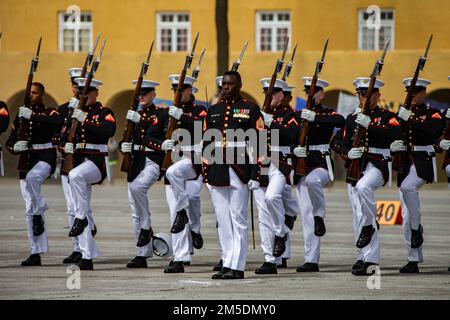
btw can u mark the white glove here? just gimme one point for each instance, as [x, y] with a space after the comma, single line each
[73, 103]
[253, 185]
[308, 115]
[68, 148]
[397, 146]
[444, 144]
[300, 152]
[79, 115]
[355, 153]
[125, 147]
[133, 116]
[168, 145]
[447, 115]
[268, 118]
[25, 112]
[404, 114]
[357, 110]
[363, 120]
[175, 112]
[21, 146]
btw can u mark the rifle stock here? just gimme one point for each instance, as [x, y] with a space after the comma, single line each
[129, 129]
[399, 157]
[301, 166]
[68, 159]
[354, 169]
[24, 126]
[177, 103]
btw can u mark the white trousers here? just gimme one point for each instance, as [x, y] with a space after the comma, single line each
[371, 180]
[182, 241]
[137, 196]
[35, 204]
[81, 179]
[274, 200]
[70, 209]
[311, 200]
[217, 229]
[409, 196]
[447, 172]
[292, 209]
[356, 214]
[230, 205]
[267, 222]
[186, 191]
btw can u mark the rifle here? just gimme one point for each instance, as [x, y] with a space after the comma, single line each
[301, 167]
[278, 68]
[354, 169]
[68, 159]
[25, 123]
[288, 68]
[89, 57]
[399, 158]
[196, 71]
[177, 103]
[235, 66]
[237, 63]
[127, 134]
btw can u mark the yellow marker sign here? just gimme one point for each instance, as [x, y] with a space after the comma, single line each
[389, 212]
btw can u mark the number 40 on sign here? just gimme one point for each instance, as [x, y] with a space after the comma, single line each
[389, 212]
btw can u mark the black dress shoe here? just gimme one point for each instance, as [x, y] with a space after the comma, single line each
[75, 257]
[362, 270]
[180, 222]
[32, 260]
[94, 231]
[416, 237]
[365, 236]
[218, 266]
[144, 237]
[308, 267]
[38, 225]
[358, 264]
[448, 268]
[219, 275]
[174, 267]
[86, 264]
[319, 227]
[137, 262]
[283, 263]
[410, 267]
[78, 227]
[233, 274]
[186, 263]
[289, 221]
[267, 268]
[279, 246]
[197, 240]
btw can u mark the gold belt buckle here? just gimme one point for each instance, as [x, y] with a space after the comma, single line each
[82, 145]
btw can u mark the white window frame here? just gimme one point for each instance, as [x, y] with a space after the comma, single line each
[76, 25]
[383, 23]
[273, 25]
[174, 26]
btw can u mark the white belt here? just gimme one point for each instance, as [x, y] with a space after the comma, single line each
[285, 150]
[319, 147]
[231, 144]
[138, 147]
[99, 147]
[386, 153]
[196, 148]
[428, 148]
[42, 146]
